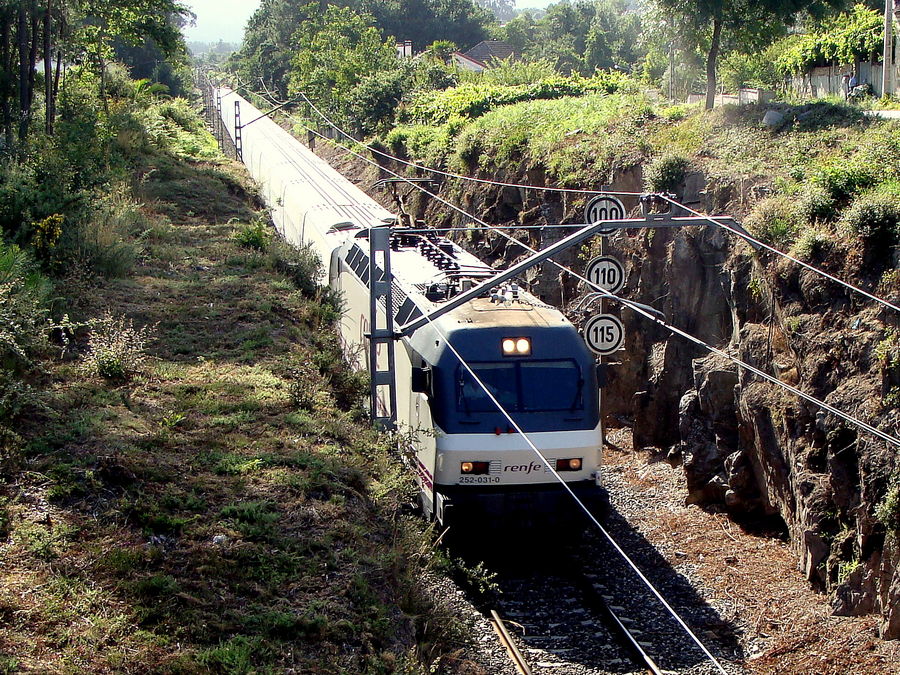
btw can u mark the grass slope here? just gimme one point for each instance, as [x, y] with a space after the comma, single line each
[225, 509]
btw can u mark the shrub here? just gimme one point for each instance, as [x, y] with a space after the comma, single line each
[104, 242]
[254, 235]
[816, 203]
[774, 220]
[888, 509]
[116, 348]
[845, 179]
[812, 245]
[299, 264]
[373, 102]
[874, 219]
[666, 173]
[473, 100]
[24, 294]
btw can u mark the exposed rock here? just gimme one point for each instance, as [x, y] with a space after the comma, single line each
[773, 119]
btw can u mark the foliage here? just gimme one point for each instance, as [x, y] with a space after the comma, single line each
[116, 349]
[666, 173]
[270, 39]
[774, 221]
[842, 39]
[335, 52]
[471, 100]
[253, 235]
[24, 295]
[372, 104]
[875, 219]
[888, 509]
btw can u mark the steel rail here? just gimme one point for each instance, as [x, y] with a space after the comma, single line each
[638, 653]
[510, 645]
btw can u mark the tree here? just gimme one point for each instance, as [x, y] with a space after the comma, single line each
[708, 24]
[131, 22]
[335, 52]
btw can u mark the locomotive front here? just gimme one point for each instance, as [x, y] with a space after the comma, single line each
[538, 369]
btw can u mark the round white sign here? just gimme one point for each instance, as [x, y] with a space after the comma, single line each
[604, 334]
[607, 273]
[604, 207]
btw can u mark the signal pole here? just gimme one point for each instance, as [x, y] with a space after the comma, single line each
[887, 61]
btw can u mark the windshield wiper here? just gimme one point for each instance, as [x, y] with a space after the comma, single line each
[577, 394]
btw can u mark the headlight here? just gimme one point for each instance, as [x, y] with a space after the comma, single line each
[573, 464]
[475, 468]
[516, 346]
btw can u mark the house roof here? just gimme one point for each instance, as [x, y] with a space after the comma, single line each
[490, 50]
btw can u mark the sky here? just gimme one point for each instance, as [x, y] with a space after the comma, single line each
[217, 19]
[226, 19]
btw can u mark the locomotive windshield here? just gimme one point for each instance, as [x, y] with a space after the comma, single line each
[522, 386]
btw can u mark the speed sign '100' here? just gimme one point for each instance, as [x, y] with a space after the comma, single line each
[604, 334]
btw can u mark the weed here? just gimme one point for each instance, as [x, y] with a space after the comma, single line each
[235, 656]
[846, 568]
[155, 586]
[116, 348]
[44, 542]
[875, 219]
[255, 235]
[666, 173]
[812, 246]
[9, 664]
[775, 221]
[888, 509]
[255, 520]
[888, 349]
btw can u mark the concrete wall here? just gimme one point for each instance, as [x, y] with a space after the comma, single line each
[826, 80]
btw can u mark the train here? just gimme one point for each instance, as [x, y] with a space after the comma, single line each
[470, 464]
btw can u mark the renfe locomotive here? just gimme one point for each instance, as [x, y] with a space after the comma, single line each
[468, 460]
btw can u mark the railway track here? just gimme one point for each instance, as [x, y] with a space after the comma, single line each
[578, 610]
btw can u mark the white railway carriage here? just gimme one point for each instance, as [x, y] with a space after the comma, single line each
[469, 461]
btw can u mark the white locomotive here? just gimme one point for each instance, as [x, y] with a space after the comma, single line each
[469, 461]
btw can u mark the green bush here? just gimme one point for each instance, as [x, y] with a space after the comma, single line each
[254, 235]
[888, 509]
[875, 219]
[815, 202]
[812, 246]
[372, 104]
[842, 179]
[24, 296]
[474, 100]
[666, 173]
[774, 221]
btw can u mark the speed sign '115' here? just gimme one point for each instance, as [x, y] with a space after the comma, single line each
[603, 334]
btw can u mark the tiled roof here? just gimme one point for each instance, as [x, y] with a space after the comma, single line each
[490, 50]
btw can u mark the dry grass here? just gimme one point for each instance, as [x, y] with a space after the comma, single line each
[193, 519]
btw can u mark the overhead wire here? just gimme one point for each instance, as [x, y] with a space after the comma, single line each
[639, 310]
[526, 437]
[744, 235]
[450, 174]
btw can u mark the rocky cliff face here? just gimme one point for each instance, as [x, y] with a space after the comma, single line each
[746, 445]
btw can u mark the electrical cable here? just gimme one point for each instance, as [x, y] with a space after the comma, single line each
[583, 507]
[746, 236]
[637, 309]
[450, 174]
